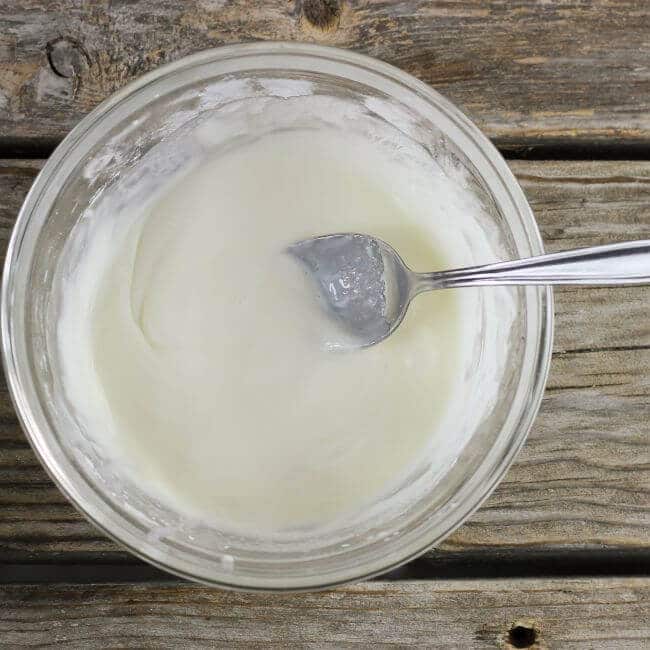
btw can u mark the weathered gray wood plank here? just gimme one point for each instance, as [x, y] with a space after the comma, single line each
[582, 480]
[528, 72]
[589, 613]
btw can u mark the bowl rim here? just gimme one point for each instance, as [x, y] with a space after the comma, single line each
[13, 373]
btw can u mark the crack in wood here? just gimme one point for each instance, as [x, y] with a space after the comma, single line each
[605, 348]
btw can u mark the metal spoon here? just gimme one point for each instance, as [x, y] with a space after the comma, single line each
[367, 287]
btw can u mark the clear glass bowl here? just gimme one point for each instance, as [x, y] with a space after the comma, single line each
[132, 121]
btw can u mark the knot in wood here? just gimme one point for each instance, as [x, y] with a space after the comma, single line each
[522, 635]
[67, 57]
[323, 14]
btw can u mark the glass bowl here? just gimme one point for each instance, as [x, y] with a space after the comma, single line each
[112, 140]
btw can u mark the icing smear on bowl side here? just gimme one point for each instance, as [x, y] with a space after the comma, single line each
[193, 350]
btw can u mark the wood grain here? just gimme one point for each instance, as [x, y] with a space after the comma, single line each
[582, 481]
[529, 72]
[589, 613]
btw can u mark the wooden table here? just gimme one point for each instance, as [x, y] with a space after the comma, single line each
[559, 556]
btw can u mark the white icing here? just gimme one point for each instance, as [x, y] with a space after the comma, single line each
[192, 347]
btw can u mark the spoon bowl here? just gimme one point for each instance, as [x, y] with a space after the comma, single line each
[364, 283]
[367, 287]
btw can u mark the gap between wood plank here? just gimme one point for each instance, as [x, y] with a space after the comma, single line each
[516, 563]
[12, 148]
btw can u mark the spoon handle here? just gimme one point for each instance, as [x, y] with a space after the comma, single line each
[625, 263]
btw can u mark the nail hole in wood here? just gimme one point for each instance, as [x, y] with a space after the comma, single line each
[324, 14]
[522, 636]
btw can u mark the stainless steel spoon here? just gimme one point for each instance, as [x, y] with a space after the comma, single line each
[367, 287]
